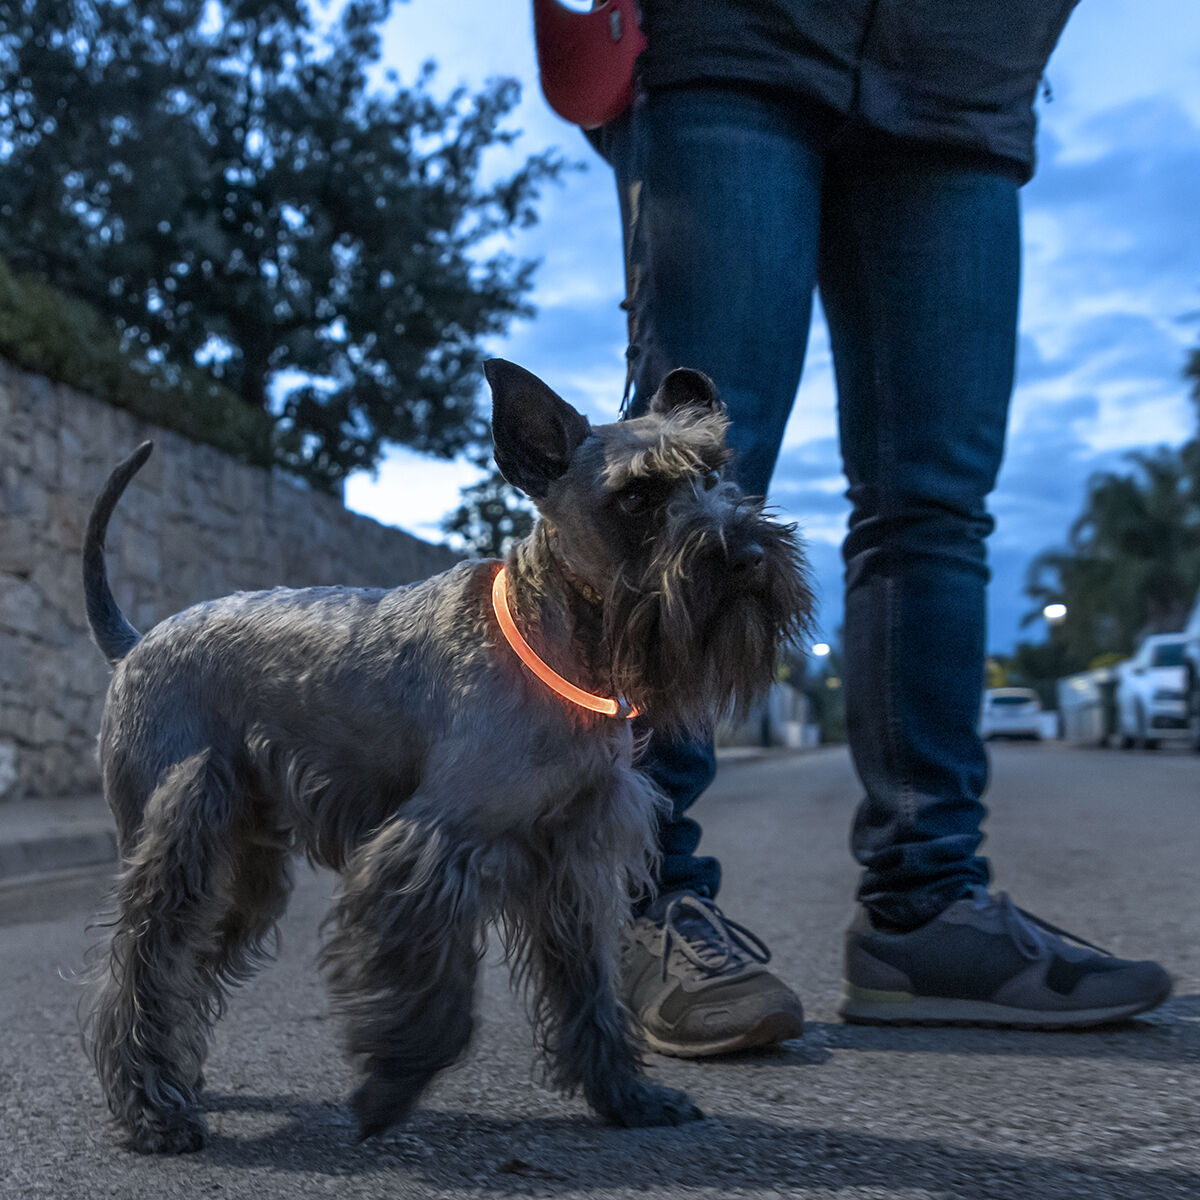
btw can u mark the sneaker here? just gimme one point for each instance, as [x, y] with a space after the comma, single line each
[986, 962]
[698, 984]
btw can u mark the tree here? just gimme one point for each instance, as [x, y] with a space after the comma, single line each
[227, 185]
[492, 516]
[1191, 372]
[1132, 562]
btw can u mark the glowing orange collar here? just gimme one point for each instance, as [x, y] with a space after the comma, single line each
[551, 678]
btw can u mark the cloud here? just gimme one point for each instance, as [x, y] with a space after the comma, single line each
[1114, 234]
[809, 486]
[825, 565]
[1112, 268]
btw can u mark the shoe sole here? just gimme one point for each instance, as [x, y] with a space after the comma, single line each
[866, 1006]
[772, 1029]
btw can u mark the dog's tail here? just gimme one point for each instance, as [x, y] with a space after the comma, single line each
[113, 633]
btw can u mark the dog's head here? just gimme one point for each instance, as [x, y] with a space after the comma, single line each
[698, 586]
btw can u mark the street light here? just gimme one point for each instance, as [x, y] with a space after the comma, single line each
[1055, 614]
[821, 649]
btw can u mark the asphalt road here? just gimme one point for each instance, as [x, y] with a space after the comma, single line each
[1104, 842]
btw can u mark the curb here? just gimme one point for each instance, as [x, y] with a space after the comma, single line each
[733, 756]
[90, 841]
[61, 852]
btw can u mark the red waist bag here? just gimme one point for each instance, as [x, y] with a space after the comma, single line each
[585, 59]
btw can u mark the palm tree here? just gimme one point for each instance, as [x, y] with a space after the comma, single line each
[1132, 561]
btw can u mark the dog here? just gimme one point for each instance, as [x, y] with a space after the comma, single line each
[403, 739]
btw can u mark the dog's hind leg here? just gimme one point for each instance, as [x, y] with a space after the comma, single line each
[402, 961]
[260, 885]
[247, 933]
[149, 1022]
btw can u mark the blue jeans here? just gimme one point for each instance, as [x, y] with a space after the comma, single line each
[735, 207]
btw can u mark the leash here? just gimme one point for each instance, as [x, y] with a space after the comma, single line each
[550, 677]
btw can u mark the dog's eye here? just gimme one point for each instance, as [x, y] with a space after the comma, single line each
[633, 501]
[711, 480]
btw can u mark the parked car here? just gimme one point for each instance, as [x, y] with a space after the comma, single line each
[1087, 707]
[1191, 665]
[1013, 712]
[1152, 693]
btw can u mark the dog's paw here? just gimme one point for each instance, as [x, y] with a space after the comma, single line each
[651, 1104]
[177, 1133]
[381, 1103]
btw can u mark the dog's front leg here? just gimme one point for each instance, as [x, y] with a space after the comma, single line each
[585, 1030]
[402, 961]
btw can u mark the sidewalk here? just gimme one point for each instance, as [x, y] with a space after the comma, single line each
[41, 836]
[38, 836]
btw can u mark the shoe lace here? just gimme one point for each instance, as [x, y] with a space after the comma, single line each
[712, 942]
[1026, 929]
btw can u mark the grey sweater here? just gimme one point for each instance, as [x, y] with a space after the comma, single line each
[959, 74]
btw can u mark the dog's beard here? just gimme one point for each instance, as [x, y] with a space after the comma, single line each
[690, 642]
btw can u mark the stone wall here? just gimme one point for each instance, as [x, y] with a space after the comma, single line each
[194, 524]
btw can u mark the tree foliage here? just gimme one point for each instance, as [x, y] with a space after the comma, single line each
[236, 189]
[1131, 565]
[492, 516]
[66, 340]
[1191, 372]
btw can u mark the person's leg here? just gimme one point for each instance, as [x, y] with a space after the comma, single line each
[720, 197]
[919, 280]
[919, 276]
[681, 768]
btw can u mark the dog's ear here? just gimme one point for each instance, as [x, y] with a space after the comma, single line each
[534, 430]
[685, 386]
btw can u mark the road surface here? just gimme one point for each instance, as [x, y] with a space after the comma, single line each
[1104, 842]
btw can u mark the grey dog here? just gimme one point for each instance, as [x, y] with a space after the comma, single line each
[396, 737]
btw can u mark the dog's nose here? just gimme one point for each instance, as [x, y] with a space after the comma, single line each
[750, 564]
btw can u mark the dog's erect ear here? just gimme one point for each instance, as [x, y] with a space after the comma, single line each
[685, 386]
[534, 430]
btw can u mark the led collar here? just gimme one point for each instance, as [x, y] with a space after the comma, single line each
[551, 678]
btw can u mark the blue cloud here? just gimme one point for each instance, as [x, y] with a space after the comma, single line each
[1130, 210]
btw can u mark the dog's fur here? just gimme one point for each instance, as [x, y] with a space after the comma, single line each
[395, 737]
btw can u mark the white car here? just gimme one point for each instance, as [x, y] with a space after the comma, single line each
[1152, 693]
[1191, 665]
[1010, 712]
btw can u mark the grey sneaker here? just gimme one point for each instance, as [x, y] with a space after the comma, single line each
[986, 962]
[698, 984]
